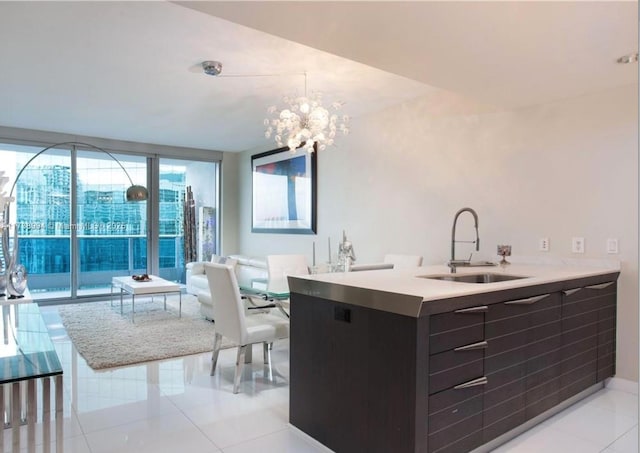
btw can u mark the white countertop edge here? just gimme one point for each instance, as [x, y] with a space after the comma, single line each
[408, 281]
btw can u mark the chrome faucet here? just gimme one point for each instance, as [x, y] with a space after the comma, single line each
[453, 263]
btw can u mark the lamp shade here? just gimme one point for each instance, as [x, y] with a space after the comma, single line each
[137, 193]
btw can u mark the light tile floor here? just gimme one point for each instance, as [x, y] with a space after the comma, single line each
[175, 406]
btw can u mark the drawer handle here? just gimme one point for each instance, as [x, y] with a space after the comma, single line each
[471, 347]
[480, 309]
[600, 286]
[529, 301]
[474, 383]
[568, 292]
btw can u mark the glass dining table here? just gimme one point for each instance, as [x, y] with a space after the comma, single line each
[28, 362]
[273, 293]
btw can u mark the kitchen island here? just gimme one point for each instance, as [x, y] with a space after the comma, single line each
[394, 361]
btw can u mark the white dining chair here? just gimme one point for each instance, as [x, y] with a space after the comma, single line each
[232, 322]
[279, 267]
[403, 261]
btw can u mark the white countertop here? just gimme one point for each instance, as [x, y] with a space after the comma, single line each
[406, 281]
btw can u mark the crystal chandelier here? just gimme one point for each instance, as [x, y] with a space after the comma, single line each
[303, 121]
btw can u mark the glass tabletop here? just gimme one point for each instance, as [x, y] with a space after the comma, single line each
[277, 289]
[26, 351]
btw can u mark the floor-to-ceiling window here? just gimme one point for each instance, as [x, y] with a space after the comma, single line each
[177, 177]
[76, 231]
[111, 232]
[42, 214]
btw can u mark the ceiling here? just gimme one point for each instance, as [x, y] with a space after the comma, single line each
[131, 70]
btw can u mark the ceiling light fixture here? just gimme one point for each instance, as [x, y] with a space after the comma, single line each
[626, 59]
[304, 122]
[212, 68]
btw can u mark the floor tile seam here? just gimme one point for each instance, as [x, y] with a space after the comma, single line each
[614, 390]
[128, 422]
[573, 434]
[152, 412]
[620, 437]
[310, 441]
[74, 412]
[205, 437]
[227, 417]
[197, 427]
[594, 404]
[253, 439]
[86, 442]
[559, 431]
[609, 448]
[633, 416]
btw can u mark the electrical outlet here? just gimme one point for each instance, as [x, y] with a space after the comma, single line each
[543, 245]
[577, 245]
[612, 245]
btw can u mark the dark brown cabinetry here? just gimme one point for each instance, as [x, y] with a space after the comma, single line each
[523, 361]
[456, 379]
[588, 336]
[447, 380]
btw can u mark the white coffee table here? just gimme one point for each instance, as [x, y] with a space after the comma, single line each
[155, 287]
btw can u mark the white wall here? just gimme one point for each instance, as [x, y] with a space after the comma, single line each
[557, 170]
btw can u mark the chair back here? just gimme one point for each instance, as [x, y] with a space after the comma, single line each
[228, 308]
[281, 266]
[403, 261]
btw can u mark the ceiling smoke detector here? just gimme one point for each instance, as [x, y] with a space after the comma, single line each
[212, 68]
[626, 59]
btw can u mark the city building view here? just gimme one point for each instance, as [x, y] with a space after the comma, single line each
[112, 233]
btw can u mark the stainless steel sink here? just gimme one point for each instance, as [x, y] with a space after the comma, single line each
[474, 278]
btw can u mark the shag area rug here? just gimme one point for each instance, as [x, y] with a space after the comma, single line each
[106, 339]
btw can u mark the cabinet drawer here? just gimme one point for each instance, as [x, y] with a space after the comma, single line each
[450, 330]
[461, 437]
[452, 406]
[454, 367]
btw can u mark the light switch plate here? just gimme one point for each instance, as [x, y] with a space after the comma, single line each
[612, 245]
[577, 245]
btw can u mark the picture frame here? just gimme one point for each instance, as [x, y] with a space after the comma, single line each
[284, 187]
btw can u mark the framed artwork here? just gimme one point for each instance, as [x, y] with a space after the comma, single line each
[284, 192]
